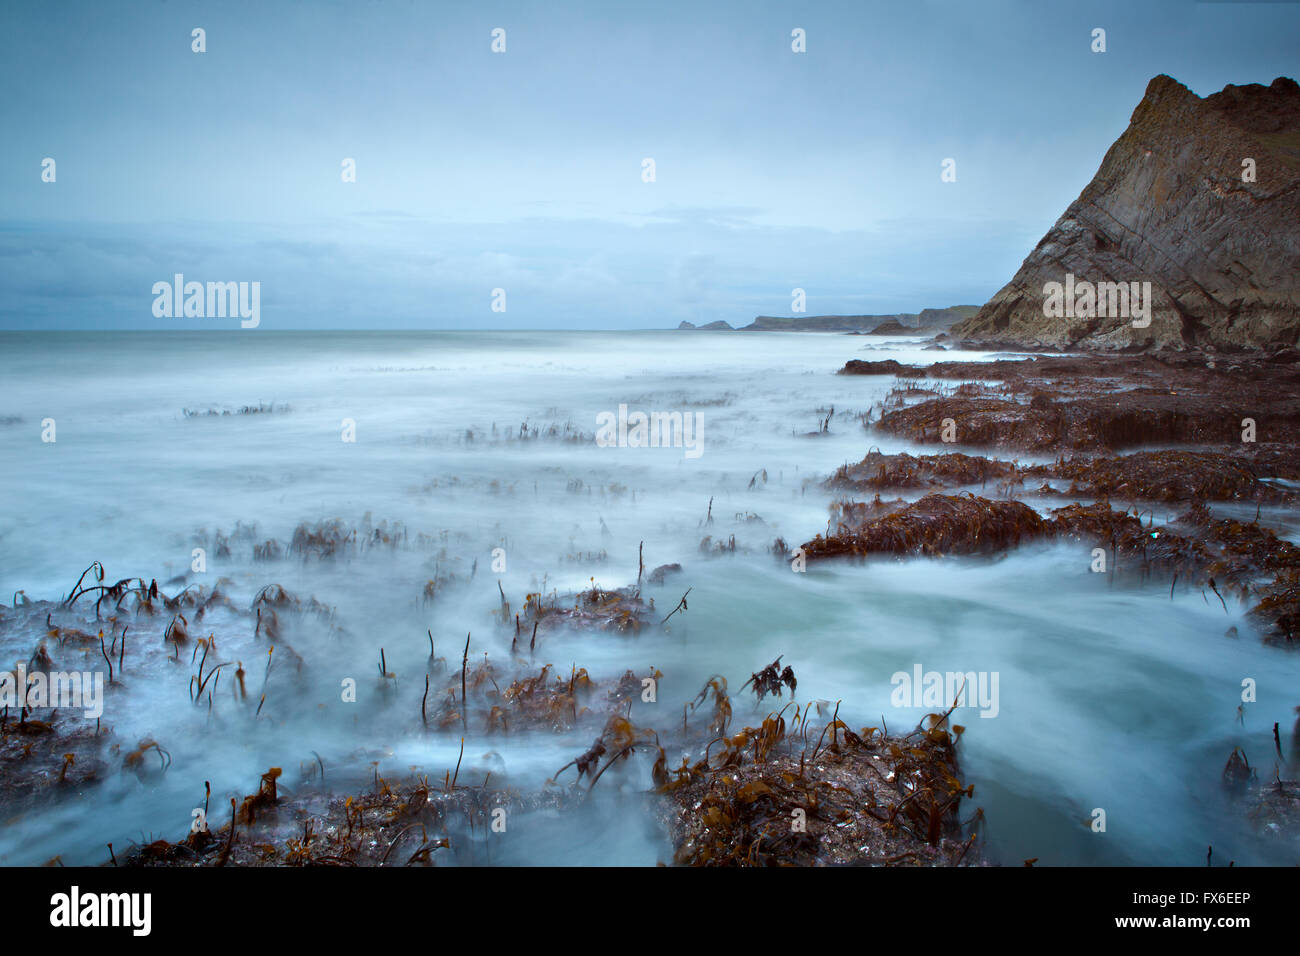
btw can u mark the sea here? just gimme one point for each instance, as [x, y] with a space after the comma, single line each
[485, 462]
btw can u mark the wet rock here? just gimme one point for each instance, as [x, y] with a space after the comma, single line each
[880, 471]
[662, 573]
[883, 367]
[936, 525]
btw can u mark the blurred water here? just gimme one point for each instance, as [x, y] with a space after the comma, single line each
[1111, 695]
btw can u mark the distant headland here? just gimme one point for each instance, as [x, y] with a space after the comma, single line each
[904, 323]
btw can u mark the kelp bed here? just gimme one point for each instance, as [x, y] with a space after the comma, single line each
[105, 630]
[1103, 403]
[796, 790]
[1174, 476]
[1122, 420]
[880, 471]
[936, 525]
[1219, 555]
[55, 753]
[1240, 412]
[1165, 476]
[800, 788]
[409, 823]
[857, 798]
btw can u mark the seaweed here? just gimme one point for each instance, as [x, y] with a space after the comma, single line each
[936, 525]
[265, 797]
[1165, 476]
[1099, 403]
[771, 678]
[878, 471]
[135, 760]
[620, 738]
[756, 804]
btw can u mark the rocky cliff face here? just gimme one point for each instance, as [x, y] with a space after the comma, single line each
[1174, 204]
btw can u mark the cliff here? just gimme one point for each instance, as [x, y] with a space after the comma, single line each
[928, 320]
[1174, 205]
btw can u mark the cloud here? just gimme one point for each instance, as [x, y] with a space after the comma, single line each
[587, 273]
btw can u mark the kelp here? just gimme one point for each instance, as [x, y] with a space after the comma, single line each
[136, 761]
[618, 741]
[1124, 420]
[39, 758]
[1098, 403]
[324, 539]
[882, 367]
[762, 800]
[1165, 476]
[935, 525]
[1220, 555]
[261, 408]
[403, 823]
[264, 798]
[620, 610]
[1170, 476]
[771, 679]
[878, 471]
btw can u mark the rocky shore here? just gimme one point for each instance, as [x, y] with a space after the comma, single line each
[1146, 460]
[801, 787]
[1128, 434]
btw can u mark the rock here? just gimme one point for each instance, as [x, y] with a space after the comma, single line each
[1168, 206]
[661, 573]
[935, 525]
[892, 327]
[930, 319]
[884, 367]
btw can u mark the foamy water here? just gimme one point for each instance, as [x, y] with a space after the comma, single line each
[1111, 695]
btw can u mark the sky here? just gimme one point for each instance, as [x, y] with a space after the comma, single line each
[522, 170]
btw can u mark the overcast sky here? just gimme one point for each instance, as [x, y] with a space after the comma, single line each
[523, 170]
